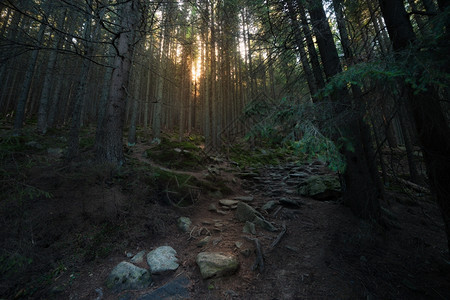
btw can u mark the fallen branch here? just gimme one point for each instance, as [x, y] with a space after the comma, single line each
[280, 235]
[259, 261]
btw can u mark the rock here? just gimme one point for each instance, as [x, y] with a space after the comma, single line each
[217, 241]
[245, 212]
[292, 248]
[244, 198]
[227, 202]
[126, 276]
[178, 288]
[299, 175]
[213, 264]
[320, 187]
[249, 227]
[238, 244]
[247, 175]
[212, 207]
[221, 212]
[99, 291]
[246, 252]
[138, 258]
[264, 224]
[55, 152]
[126, 296]
[34, 144]
[162, 259]
[269, 205]
[184, 223]
[204, 241]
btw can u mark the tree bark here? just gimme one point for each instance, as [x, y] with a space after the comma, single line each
[21, 103]
[109, 147]
[303, 58]
[431, 124]
[360, 191]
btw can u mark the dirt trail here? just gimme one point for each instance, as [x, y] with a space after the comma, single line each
[325, 252]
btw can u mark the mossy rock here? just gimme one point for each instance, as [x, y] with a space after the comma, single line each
[320, 187]
[177, 155]
[126, 276]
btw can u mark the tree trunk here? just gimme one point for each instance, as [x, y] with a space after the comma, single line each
[49, 75]
[360, 191]
[313, 57]
[21, 103]
[73, 140]
[304, 59]
[109, 148]
[431, 124]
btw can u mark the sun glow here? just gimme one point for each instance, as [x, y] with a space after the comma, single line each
[196, 70]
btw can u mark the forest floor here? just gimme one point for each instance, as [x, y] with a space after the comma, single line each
[64, 226]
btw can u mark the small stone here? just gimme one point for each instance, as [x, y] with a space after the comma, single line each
[204, 241]
[246, 252]
[212, 207]
[126, 276]
[34, 144]
[177, 288]
[292, 248]
[244, 198]
[184, 223]
[138, 258]
[265, 224]
[213, 264]
[55, 152]
[245, 212]
[222, 212]
[216, 241]
[227, 202]
[269, 205]
[162, 259]
[238, 244]
[249, 228]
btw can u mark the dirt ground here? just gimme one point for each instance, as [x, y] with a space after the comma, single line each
[66, 245]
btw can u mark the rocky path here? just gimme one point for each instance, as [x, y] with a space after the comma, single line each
[283, 235]
[224, 245]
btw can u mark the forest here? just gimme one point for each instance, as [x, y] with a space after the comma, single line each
[224, 149]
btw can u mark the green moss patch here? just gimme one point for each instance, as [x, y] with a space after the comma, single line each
[184, 155]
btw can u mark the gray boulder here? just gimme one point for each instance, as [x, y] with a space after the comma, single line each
[126, 276]
[213, 264]
[138, 258]
[246, 213]
[320, 187]
[184, 223]
[162, 259]
[249, 227]
[269, 205]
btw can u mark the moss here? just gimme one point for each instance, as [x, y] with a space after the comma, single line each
[259, 157]
[177, 155]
